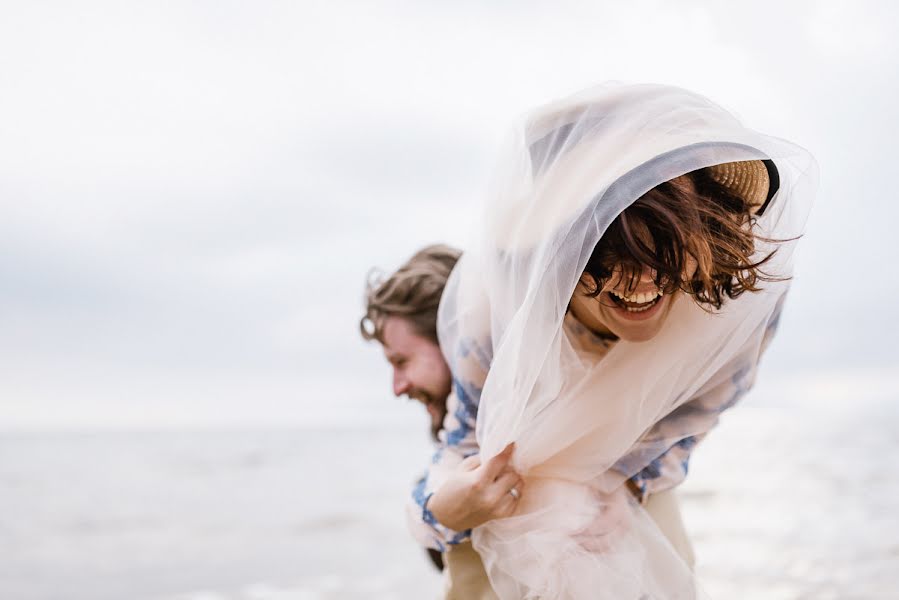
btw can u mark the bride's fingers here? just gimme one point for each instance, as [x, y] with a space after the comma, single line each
[496, 465]
[507, 481]
[471, 463]
[508, 468]
[593, 543]
[506, 506]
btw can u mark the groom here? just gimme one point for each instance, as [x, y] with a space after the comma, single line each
[401, 314]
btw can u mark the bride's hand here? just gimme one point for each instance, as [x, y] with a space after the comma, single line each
[613, 516]
[476, 493]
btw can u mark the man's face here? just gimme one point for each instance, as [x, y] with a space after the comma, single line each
[419, 370]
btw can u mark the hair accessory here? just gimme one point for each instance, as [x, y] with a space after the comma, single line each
[747, 179]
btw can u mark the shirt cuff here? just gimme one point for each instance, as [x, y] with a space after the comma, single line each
[448, 535]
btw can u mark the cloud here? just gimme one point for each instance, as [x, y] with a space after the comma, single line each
[192, 193]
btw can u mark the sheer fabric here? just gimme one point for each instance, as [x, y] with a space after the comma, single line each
[569, 170]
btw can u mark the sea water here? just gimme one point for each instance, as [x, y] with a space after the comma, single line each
[782, 502]
[209, 515]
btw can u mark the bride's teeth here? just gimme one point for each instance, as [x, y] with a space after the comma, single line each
[640, 309]
[641, 298]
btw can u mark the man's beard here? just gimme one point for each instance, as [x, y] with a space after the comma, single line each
[437, 425]
[430, 403]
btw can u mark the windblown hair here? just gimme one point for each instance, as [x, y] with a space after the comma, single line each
[690, 218]
[412, 292]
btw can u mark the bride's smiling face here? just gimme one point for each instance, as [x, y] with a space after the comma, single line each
[630, 303]
[636, 314]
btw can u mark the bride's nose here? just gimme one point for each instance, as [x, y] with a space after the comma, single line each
[648, 275]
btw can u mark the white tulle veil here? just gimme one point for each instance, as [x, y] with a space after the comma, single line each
[571, 168]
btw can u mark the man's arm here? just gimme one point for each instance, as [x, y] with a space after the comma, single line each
[459, 492]
[457, 442]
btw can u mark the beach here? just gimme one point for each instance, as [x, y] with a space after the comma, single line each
[782, 502]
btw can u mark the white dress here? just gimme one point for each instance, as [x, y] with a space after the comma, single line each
[570, 169]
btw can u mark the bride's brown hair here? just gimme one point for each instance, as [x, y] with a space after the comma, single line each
[689, 219]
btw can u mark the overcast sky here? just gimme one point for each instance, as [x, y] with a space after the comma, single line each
[191, 193]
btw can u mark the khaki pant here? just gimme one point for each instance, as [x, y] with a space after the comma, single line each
[466, 579]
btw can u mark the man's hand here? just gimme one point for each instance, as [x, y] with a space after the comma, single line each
[476, 493]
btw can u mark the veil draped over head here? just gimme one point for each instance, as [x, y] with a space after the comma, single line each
[570, 170]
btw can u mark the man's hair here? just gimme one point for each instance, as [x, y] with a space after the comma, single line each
[675, 222]
[412, 292]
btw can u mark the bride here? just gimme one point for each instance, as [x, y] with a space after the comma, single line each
[628, 271]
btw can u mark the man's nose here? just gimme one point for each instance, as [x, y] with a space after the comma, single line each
[400, 383]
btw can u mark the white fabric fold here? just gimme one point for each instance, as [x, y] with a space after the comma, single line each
[568, 171]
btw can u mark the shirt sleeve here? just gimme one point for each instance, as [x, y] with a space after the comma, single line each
[661, 459]
[457, 441]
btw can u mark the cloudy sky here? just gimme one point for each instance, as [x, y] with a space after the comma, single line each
[191, 193]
